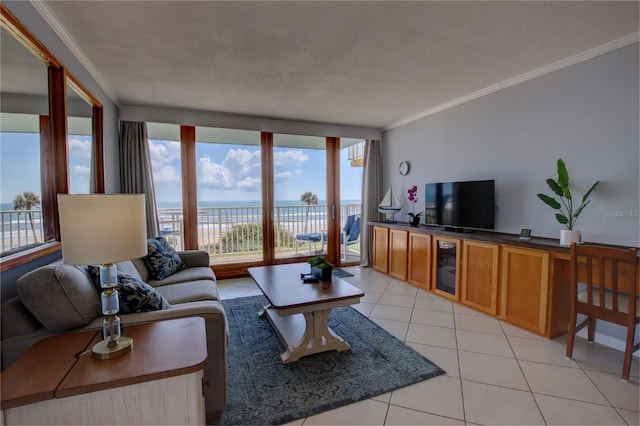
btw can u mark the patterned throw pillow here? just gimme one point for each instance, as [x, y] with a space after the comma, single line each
[133, 295]
[162, 260]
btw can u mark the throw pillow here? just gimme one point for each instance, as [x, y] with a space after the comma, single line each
[133, 295]
[162, 260]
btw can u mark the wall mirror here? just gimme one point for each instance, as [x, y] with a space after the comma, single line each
[34, 145]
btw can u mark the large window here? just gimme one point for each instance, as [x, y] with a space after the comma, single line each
[229, 194]
[164, 149]
[299, 194]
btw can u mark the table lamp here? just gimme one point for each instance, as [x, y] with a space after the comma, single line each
[104, 229]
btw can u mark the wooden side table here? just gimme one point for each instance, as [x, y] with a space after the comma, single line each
[159, 382]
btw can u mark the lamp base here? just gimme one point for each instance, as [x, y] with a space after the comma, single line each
[102, 351]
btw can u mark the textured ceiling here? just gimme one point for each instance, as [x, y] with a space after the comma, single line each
[370, 64]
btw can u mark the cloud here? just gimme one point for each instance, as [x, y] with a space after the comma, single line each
[81, 170]
[163, 152]
[165, 173]
[290, 158]
[80, 148]
[240, 169]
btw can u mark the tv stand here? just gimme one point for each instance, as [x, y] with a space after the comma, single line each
[458, 229]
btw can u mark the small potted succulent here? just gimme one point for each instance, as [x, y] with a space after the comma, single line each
[321, 268]
[567, 215]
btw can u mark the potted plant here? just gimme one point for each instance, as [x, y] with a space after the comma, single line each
[567, 215]
[321, 268]
[413, 198]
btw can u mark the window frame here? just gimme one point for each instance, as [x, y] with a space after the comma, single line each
[53, 141]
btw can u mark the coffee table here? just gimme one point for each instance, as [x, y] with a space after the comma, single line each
[299, 312]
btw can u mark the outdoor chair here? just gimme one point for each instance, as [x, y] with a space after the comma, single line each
[350, 234]
[604, 287]
[311, 237]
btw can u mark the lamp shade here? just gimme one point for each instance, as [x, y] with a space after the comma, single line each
[102, 228]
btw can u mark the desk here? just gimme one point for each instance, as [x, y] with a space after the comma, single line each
[159, 382]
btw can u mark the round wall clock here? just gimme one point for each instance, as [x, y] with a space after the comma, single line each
[404, 168]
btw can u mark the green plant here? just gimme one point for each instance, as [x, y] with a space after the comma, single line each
[320, 262]
[567, 215]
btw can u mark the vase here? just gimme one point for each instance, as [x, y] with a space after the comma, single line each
[414, 221]
[568, 236]
[323, 274]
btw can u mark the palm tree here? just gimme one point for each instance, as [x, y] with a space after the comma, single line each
[309, 199]
[27, 201]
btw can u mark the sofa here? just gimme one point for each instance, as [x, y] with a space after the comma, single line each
[59, 298]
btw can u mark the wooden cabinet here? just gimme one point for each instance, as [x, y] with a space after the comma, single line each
[445, 266]
[479, 276]
[398, 243]
[524, 288]
[524, 283]
[381, 249]
[419, 265]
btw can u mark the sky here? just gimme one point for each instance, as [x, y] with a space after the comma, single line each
[20, 164]
[227, 172]
[224, 172]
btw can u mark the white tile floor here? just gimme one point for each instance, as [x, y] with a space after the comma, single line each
[496, 373]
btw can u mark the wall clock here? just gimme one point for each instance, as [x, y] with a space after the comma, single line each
[404, 168]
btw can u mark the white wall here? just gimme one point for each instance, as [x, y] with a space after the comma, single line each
[586, 114]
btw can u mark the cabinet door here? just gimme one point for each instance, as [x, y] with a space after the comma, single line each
[419, 270]
[381, 249]
[524, 288]
[398, 241]
[445, 266]
[479, 280]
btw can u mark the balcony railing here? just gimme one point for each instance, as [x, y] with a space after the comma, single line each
[21, 228]
[223, 231]
[237, 231]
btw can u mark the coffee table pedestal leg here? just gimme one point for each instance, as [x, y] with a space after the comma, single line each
[305, 334]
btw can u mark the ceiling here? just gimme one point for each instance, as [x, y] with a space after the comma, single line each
[372, 64]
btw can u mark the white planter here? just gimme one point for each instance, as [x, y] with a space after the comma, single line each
[568, 236]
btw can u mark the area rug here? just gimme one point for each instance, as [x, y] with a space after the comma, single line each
[341, 273]
[262, 390]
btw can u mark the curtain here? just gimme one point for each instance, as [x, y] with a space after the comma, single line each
[371, 197]
[135, 169]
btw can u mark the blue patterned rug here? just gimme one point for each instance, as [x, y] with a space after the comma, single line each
[264, 391]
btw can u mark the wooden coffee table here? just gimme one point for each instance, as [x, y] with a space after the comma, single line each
[299, 312]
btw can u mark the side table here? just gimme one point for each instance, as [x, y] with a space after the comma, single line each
[159, 382]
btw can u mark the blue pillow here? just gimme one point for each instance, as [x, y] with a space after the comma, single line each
[162, 260]
[133, 295]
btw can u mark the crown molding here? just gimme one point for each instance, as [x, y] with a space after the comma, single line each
[572, 60]
[84, 60]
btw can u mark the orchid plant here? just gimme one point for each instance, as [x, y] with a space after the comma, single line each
[413, 198]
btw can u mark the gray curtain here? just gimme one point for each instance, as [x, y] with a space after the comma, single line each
[135, 169]
[371, 197]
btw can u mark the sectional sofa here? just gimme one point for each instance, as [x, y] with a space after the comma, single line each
[60, 298]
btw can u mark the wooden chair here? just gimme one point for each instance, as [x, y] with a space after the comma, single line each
[610, 274]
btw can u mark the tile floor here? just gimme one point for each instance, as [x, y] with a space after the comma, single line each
[496, 373]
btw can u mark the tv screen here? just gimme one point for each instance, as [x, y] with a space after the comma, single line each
[455, 205]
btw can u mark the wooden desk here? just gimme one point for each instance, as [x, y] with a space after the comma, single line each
[159, 382]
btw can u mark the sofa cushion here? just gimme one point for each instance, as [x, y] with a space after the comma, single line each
[162, 260]
[133, 295]
[128, 268]
[189, 292]
[60, 296]
[186, 275]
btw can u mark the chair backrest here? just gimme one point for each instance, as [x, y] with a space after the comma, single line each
[352, 227]
[611, 279]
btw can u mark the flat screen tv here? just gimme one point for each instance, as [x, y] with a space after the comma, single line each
[460, 205]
